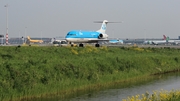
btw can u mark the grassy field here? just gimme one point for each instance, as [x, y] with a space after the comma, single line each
[32, 71]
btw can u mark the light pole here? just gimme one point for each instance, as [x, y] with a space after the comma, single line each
[2, 36]
[41, 34]
[145, 35]
[6, 23]
[25, 35]
[19, 37]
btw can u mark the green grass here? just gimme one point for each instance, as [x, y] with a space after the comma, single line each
[28, 72]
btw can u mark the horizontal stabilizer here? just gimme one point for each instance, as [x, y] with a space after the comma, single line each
[107, 22]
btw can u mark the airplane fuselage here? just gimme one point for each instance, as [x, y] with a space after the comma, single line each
[33, 41]
[159, 42]
[36, 41]
[84, 36]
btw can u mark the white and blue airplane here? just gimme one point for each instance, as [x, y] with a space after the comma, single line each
[78, 36]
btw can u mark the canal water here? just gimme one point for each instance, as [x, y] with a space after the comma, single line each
[166, 82]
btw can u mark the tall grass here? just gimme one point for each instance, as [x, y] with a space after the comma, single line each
[28, 72]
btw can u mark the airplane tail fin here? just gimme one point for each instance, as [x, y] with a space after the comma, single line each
[28, 38]
[103, 26]
[164, 37]
[167, 38]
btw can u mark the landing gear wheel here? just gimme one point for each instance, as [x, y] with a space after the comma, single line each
[97, 45]
[81, 45]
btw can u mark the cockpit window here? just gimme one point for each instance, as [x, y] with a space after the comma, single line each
[71, 34]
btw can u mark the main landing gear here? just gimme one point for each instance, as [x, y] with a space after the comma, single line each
[97, 45]
[82, 45]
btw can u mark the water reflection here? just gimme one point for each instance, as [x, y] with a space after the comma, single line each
[122, 91]
[165, 82]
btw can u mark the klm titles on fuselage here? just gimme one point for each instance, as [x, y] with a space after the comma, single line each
[82, 34]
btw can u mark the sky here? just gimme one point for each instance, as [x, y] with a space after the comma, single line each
[55, 18]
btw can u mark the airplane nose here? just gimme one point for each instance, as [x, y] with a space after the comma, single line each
[67, 39]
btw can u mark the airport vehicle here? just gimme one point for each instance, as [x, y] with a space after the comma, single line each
[116, 41]
[60, 43]
[29, 40]
[97, 37]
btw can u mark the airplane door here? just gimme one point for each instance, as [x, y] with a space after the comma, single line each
[93, 35]
[80, 33]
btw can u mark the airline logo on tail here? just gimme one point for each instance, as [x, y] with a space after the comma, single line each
[104, 27]
[164, 37]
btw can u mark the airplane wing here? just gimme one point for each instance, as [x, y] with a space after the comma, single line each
[97, 40]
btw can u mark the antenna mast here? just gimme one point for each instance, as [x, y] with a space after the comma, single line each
[6, 23]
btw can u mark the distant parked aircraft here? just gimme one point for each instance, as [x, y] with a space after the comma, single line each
[29, 40]
[176, 42]
[116, 41]
[157, 42]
